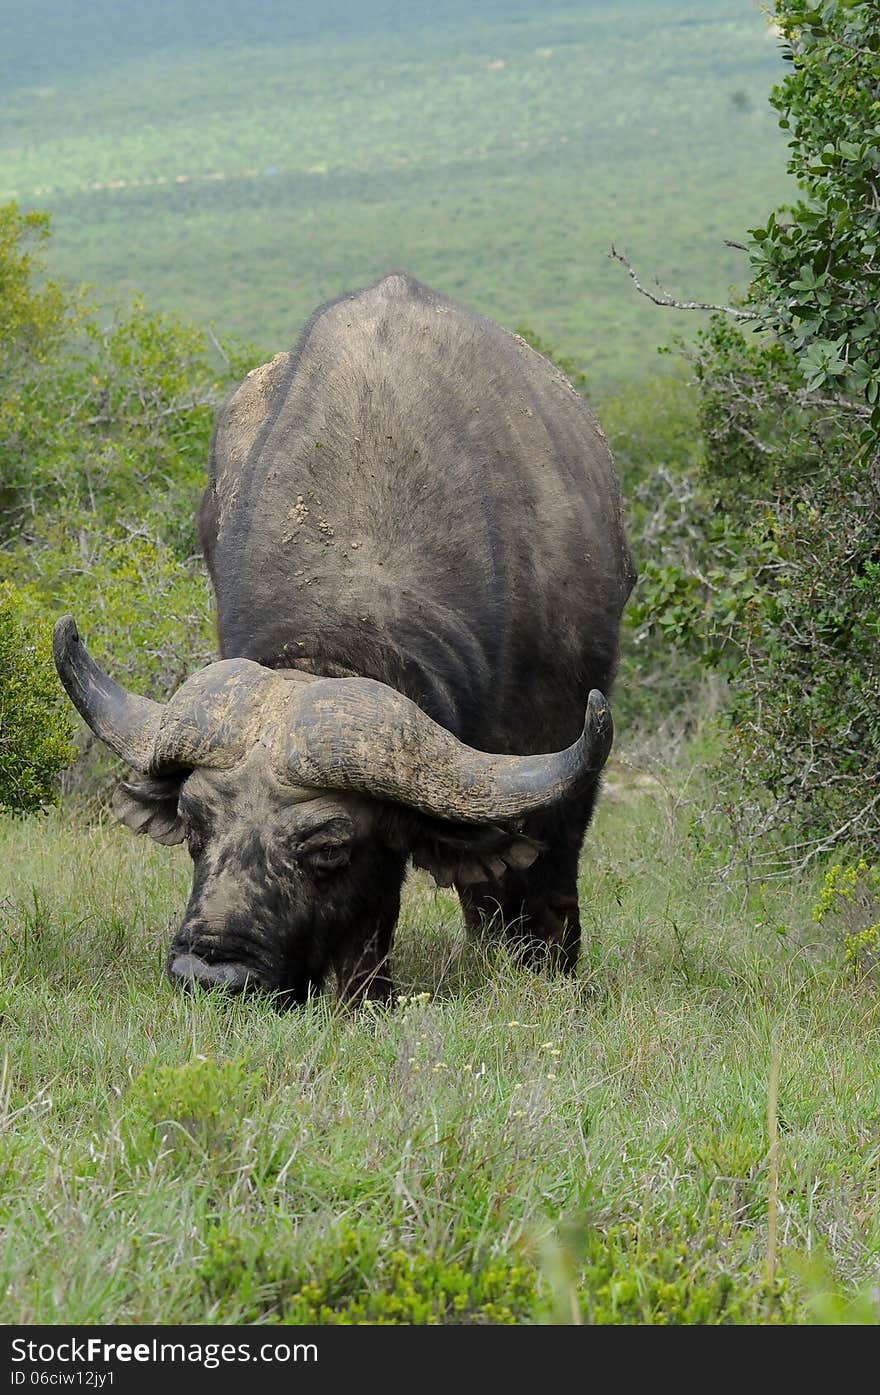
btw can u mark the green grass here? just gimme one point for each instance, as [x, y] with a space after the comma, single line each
[501, 1148]
[495, 151]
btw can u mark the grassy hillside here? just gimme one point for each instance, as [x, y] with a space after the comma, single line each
[241, 170]
[501, 1148]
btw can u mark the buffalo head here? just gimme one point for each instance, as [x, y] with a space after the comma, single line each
[300, 800]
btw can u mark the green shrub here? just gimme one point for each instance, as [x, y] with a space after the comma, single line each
[34, 312]
[816, 277]
[143, 613]
[850, 899]
[771, 576]
[104, 437]
[117, 423]
[35, 721]
[355, 1274]
[653, 430]
[196, 1108]
[611, 1277]
[772, 572]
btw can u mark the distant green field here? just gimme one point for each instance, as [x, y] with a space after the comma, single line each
[241, 173]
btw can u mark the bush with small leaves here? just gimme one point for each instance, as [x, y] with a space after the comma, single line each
[104, 437]
[773, 571]
[816, 279]
[850, 898]
[35, 723]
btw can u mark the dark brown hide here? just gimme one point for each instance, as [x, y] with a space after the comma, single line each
[414, 495]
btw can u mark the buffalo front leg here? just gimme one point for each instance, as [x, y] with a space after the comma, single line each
[362, 965]
[541, 926]
[536, 910]
[364, 974]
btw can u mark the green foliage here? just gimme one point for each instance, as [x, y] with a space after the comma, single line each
[117, 422]
[35, 316]
[773, 578]
[773, 575]
[144, 613]
[805, 712]
[197, 1105]
[817, 270]
[850, 898]
[653, 427]
[416, 1288]
[611, 1277]
[35, 724]
[104, 437]
[31, 316]
[828, 1307]
[653, 431]
[751, 418]
[353, 1275]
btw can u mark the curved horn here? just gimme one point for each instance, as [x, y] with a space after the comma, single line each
[357, 734]
[128, 724]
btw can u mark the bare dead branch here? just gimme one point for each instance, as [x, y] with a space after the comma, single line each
[797, 856]
[664, 298]
[220, 349]
[842, 404]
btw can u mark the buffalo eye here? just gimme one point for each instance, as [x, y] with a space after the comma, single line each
[326, 847]
[332, 857]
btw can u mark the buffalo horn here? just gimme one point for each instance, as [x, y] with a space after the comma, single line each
[357, 734]
[128, 724]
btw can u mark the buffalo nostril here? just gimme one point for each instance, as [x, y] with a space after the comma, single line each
[193, 972]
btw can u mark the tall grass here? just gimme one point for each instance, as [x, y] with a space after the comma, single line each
[503, 1147]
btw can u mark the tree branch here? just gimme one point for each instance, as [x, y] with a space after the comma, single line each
[665, 299]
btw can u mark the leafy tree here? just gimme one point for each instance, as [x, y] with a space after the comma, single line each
[104, 437]
[31, 317]
[773, 574]
[35, 727]
[817, 264]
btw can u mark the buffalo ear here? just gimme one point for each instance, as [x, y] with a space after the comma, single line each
[150, 806]
[461, 853]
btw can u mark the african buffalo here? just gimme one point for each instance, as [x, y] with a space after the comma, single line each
[413, 529]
